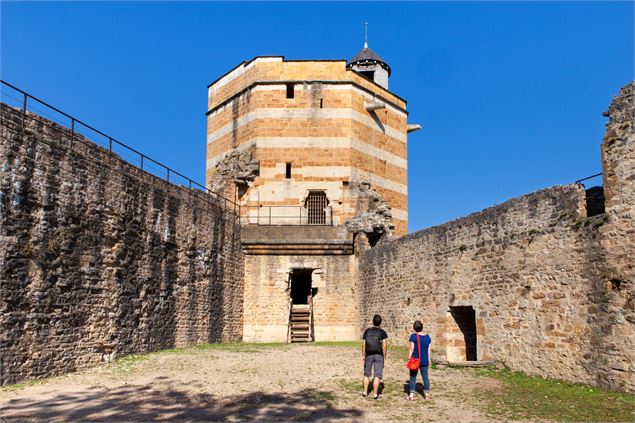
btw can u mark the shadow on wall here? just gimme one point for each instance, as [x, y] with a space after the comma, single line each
[158, 402]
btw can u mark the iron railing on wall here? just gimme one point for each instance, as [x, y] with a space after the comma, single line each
[31, 108]
[285, 215]
[588, 177]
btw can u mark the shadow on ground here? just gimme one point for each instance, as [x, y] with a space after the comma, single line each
[156, 402]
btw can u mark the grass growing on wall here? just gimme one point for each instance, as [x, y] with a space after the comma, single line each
[525, 397]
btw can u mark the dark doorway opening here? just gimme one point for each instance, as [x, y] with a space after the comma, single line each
[301, 286]
[594, 201]
[465, 318]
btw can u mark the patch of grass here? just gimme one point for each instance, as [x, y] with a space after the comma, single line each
[231, 347]
[345, 344]
[242, 346]
[525, 397]
[23, 384]
[350, 386]
[128, 363]
[324, 396]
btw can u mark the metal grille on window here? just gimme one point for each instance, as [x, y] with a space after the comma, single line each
[316, 204]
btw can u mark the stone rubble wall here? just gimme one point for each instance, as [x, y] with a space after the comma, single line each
[99, 259]
[552, 289]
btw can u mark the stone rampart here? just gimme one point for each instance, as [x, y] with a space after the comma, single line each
[550, 290]
[99, 259]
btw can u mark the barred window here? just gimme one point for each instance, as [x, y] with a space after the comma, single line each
[315, 204]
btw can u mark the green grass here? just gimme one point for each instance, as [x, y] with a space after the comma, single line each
[324, 396]
[345, 344]
[525, 397]
[23, 384]
[238, 347]
[130, 362]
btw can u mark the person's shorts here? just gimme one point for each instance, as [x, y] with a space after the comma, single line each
[374, 363]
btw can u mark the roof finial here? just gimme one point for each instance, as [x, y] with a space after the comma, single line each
[366, 35]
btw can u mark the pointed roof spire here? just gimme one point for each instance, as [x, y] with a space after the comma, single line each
[366, 56]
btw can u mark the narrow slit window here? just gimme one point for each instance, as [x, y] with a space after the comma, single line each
[288, 171]
[369, 74]
[290, 91]
[321, 103]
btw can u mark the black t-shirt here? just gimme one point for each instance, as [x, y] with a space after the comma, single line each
[383, 335]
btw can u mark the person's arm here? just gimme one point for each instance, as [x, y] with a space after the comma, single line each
[384, 346]
[430, 354]
[363, 349]
[411, 349]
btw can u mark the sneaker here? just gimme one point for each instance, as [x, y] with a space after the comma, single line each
[376, 397]
[364, 395]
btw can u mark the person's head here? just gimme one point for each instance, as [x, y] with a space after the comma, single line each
[417, 326]
[376, 320]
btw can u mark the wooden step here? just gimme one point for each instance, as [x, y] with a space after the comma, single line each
[300, 336]
[300, 323]
[297, 326]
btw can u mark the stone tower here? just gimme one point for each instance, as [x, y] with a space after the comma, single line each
[315, 152]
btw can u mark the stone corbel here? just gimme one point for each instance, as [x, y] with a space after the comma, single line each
[371, 106]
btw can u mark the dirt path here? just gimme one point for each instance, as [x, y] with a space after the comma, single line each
[237, 383]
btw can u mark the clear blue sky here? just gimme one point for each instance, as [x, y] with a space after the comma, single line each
[510, 95]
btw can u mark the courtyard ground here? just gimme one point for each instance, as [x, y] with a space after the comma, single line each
[318, 382]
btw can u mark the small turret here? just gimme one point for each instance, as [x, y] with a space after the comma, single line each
[369, 64]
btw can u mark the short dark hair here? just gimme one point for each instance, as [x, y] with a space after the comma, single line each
[417, 326]
[376, 320]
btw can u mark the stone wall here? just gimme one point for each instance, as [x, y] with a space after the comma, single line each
[99, 259]
[267, 296]
[551, 289]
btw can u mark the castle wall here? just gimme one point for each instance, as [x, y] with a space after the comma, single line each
[267, 296]
[552, 290]
[99, 259]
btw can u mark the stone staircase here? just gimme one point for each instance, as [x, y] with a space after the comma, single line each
[300, 323]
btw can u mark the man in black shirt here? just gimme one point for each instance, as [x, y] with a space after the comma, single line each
[374, 353]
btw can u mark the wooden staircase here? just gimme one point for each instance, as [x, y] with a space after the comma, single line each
[300, 323]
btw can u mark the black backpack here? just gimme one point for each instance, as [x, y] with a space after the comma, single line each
[373, 341]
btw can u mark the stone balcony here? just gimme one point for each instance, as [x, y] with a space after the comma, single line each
[297, 240]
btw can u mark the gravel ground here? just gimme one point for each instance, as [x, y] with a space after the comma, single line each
[242, 382]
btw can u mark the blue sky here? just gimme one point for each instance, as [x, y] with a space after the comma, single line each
[510, 95]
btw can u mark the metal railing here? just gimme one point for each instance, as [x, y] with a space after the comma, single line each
[285, 215]
[31, 107]
[588, 177]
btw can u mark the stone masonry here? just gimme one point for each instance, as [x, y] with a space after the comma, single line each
[99, 259]
[551, 289]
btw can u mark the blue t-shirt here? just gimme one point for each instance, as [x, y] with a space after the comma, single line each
[425, 341]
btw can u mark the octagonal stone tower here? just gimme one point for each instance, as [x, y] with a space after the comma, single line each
[315, 152]
[281, 129]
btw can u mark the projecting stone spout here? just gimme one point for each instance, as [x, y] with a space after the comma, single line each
[371, 106]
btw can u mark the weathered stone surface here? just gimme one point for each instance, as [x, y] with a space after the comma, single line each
[376, 220]
[239, 167]
[552, 290]
[99, 259]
